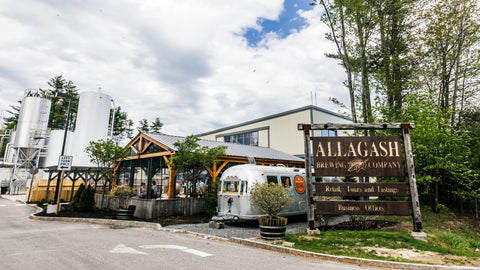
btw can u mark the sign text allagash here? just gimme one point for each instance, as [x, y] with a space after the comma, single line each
[358, 156]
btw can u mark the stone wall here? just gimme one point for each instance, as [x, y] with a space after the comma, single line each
[148, 209]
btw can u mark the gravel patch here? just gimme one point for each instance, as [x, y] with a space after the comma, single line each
[242, 230]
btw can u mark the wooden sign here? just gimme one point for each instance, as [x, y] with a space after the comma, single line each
[361, 156]
[362, 189]
[358, 156]
[384, 208]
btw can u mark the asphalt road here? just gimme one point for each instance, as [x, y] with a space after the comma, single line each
[36, 244]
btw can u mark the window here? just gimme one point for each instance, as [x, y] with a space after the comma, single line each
[329, 133]
[286, 182]
[230, 187]
[247, 138]
[272, 179]
[243, 187]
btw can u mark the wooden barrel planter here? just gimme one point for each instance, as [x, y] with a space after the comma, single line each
[272, 228]
[126, 214]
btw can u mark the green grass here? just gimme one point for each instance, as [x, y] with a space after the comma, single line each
[447, 235]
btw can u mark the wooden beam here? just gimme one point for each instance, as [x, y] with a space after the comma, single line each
[146, 147]
[162, 154]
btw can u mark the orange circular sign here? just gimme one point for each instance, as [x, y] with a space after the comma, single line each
[299, 184]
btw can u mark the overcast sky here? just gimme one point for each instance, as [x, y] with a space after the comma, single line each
[197, 65]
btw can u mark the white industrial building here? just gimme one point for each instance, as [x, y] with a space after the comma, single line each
[278, 131]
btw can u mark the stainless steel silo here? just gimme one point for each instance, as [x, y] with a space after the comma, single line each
[91, 125]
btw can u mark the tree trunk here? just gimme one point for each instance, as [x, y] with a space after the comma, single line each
[476, 208]
[344, 56]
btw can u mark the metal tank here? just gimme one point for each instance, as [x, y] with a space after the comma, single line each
[55, 142]
[32, 121]
[91, 125]
[9, 151]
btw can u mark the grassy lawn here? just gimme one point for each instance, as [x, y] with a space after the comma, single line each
[451, 240]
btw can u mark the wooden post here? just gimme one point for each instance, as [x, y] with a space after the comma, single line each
[171, 185]
[412, 181]
[149, 178]
[309, 186]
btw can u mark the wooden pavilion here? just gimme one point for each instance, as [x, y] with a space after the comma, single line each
[149, 156]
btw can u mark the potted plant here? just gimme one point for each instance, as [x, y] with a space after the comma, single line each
[270, 198]
[123, 194]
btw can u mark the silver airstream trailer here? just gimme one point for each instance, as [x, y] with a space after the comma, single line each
[236, 182]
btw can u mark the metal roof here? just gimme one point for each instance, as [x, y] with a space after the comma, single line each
[233, 149]
[304, 108]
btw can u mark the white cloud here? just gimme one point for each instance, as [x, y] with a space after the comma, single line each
[183, 61]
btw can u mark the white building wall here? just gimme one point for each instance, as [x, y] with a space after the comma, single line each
[281, 133]
[284, 133]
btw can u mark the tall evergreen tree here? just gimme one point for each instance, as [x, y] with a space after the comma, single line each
[144, 127]
[156, 126]
[59, 107]
[122, 125]
[12, 120]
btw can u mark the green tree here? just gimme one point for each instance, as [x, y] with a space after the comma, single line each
[156, 126]
[105, 153]
[441, 154]
[122, 125]
[449, 52]
[87, 200]
[59, 107]
[334, 18]
[78, 194]
[12, 120]
[192, 158]
[470, 126]
[393, 58]
[144, 127]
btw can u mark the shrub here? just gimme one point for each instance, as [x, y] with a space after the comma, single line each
[87, 200]
[269, 198]
[76, 197]
[123, 194]
[211, 199]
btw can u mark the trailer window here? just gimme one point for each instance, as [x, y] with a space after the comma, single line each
[243, 187]
[272, 179]
[230, 187]
[286, 182]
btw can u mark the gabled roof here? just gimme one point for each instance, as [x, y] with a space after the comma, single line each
[238, 150]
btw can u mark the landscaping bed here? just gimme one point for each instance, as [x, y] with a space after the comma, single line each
[112, 214]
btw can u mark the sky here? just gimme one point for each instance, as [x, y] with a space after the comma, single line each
[197, 65]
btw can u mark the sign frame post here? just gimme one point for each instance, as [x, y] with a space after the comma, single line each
[412, 181]
[309, 185]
